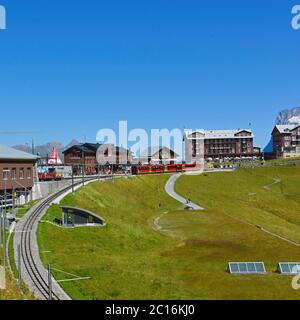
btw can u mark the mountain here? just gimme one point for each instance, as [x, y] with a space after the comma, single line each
[287, 116]
[72, 143]
[45, 150]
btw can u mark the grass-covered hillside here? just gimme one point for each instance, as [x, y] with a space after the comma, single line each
[267, 196]
[153, 249]
[12, 291]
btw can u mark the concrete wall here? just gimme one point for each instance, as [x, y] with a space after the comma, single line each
[44, 189]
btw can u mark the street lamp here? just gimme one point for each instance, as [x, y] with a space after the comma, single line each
[83, 167]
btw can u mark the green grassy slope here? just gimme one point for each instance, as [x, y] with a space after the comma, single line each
[268, 197]
[152, 249]
[122, 257]
[12, 291]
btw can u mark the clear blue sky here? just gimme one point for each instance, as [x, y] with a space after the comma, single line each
[69, 68]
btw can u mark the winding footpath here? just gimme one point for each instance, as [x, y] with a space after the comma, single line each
[170, 189]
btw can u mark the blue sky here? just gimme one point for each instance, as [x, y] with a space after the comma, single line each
[70, 68]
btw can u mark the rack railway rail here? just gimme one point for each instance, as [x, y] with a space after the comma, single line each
[33, 271]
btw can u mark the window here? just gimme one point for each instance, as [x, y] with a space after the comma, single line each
[21, 173]
[5, 174]
[13, 173]
[28, 173]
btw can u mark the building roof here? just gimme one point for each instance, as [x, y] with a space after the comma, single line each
[92, 148]
[84, 211]
[219, 134]
[7, 153]
[225, 134]
[82, 148]
[286, 128]
[153, 150]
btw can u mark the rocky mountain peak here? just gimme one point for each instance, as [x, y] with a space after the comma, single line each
[289, 116]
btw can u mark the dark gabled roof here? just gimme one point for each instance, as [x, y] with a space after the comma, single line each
[92, 146]
[81, 148]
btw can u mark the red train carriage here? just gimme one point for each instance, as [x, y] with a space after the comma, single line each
[49, 174]
[160, 168]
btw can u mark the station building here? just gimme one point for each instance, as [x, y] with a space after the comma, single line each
[85, 156]
[18, 174]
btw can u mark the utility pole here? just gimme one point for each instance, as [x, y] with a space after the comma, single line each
[83, 168]
[14, 173]
[4, 222]
[19, 268]
[72, 179]
[32, 146]
[1, 226]
[4, 240]
[49, 282]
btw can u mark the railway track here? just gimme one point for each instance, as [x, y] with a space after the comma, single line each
[33, 271]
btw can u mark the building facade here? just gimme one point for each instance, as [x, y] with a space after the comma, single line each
[194, 147]
[286, 141]
[82, 156]
[18, 173]
[158, 155]
[220, 145]
[85, 156]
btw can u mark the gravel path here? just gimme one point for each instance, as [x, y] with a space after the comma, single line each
[170, 189]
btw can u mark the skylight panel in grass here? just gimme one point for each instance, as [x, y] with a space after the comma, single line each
[247, 268]
[289, 268]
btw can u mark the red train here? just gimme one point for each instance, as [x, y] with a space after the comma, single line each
[161, 168]
[49, 174]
